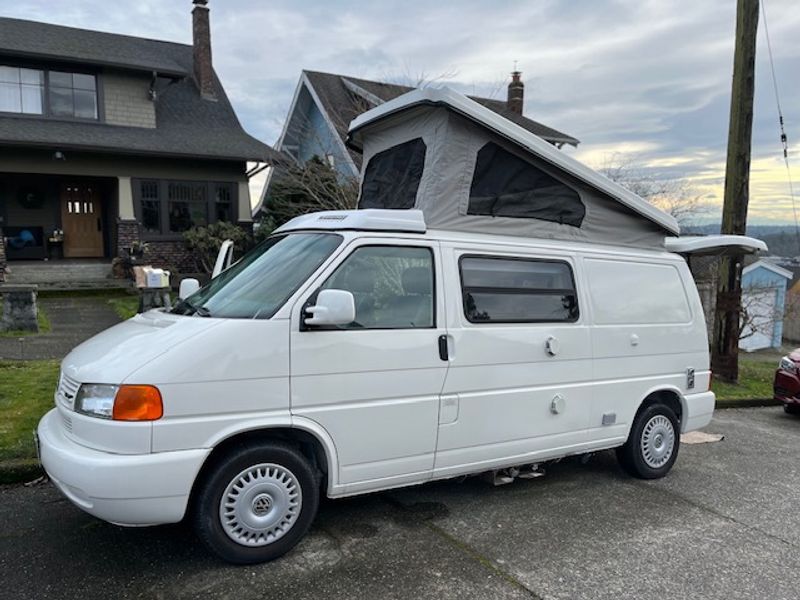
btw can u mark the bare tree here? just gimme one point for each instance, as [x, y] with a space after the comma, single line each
[674, 196]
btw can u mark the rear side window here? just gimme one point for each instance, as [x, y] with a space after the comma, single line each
[634, 293]
[503, 290]
[392, 177]
[504, 185]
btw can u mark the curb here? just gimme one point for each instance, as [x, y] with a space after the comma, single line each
[747, 403]
[19, 470]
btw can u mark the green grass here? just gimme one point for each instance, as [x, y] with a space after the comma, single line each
[44, 327]
[125, 306]
[756, 372]
[26, 393]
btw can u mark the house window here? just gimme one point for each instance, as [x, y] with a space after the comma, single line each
[50, 93]
[72, 95]
[505, 185]
[21, 90]
[517, 290]
[169, 208]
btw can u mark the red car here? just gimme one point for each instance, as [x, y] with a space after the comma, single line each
[786, 386]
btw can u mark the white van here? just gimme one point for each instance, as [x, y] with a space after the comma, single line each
[358, 351]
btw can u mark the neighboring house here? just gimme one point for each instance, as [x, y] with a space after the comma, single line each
[324, 104]
[763, 305]
[114, 140]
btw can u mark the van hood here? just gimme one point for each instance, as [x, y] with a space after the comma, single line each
[112, 355]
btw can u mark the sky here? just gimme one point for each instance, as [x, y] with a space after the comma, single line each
[637, 81]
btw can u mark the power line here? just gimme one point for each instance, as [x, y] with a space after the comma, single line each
[784, 138]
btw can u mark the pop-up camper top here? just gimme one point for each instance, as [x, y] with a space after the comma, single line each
[469, 169]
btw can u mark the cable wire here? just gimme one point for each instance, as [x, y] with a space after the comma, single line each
[784, 138]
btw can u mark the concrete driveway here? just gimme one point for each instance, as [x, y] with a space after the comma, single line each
[724, 524]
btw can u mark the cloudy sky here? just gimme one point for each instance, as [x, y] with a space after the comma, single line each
[644, 79]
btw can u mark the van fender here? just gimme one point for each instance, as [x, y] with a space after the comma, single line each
[662, 388]
[286, 421]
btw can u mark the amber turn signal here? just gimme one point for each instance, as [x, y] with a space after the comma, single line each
[137, 403]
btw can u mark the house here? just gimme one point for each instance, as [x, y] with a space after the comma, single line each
[763, 305]
[108, 140]
[324, 104]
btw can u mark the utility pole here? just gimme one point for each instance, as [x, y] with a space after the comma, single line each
[725, 348]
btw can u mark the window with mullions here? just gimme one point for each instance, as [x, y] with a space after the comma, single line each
[21, 90]
[169, 208]
[512, 290]
[72, 95]
[504, 185]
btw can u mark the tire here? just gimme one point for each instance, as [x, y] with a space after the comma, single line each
[653, 443]
[272, 497]
[791, 409]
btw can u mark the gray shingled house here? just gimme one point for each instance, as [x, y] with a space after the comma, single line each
[106, 140]
[324, 104]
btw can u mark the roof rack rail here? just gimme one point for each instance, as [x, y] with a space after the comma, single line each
[369, 219]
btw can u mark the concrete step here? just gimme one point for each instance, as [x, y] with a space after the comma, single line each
[64, 275]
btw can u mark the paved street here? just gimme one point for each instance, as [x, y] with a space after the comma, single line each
[724, 524]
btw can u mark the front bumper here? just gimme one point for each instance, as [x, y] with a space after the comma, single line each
[786, 387]
[137, 489]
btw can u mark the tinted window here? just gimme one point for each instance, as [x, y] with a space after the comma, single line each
[504, 290]
[504, 185]
[392, 286]
[392, 177]
[633, 293]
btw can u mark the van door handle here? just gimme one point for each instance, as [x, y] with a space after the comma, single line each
[443, 354]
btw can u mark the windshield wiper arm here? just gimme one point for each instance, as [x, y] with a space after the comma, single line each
[201, 310]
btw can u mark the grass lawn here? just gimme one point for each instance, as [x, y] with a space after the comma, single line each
[26, 393]
[125, 306]
[756, 372]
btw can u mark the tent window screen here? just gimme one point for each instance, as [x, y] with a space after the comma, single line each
[504, 185]
[392, 177]
[517, 290]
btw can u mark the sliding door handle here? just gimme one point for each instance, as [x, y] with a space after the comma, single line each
[443, 354]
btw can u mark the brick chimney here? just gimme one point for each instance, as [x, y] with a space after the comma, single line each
[201, 45]
[516, 93]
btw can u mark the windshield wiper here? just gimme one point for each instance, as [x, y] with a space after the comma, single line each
[201, 310]
[193, 309]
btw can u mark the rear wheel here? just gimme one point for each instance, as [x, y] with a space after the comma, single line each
[256, 503]
[653, 443]
[792, 409]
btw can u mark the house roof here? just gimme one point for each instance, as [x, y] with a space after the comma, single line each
[765, 264]
[186, 124]
[524, 139]
[344, 98]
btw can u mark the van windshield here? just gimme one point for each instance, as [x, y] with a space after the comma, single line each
[260, 283]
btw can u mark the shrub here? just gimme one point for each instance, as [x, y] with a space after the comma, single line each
[205, 242]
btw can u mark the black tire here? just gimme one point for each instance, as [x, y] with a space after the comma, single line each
[632, 457]
[791, 409]
[275, 463]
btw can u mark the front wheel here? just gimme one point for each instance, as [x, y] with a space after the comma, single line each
[791, 409]
[256, 503]
[653, 443]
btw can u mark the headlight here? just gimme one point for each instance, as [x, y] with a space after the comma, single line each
[120, 402]
[96, 400]
[788, 365]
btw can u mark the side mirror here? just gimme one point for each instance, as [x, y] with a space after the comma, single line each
[188, 287]
[333, 307]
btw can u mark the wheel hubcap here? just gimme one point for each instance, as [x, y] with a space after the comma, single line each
[658, 441]
[260, 505]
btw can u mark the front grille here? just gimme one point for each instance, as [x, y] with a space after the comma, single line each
[66, 392]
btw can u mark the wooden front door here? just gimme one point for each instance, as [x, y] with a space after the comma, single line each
[82, 221]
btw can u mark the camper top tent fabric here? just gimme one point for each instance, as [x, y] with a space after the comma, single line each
[468, 169]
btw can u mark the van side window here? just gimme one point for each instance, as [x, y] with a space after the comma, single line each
[634, 293]
[392, 286]
[503, 290]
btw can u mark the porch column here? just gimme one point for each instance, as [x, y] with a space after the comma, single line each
[127, 227]
[245, 211]
[2, 256]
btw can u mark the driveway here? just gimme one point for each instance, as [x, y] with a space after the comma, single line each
[724, 524]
